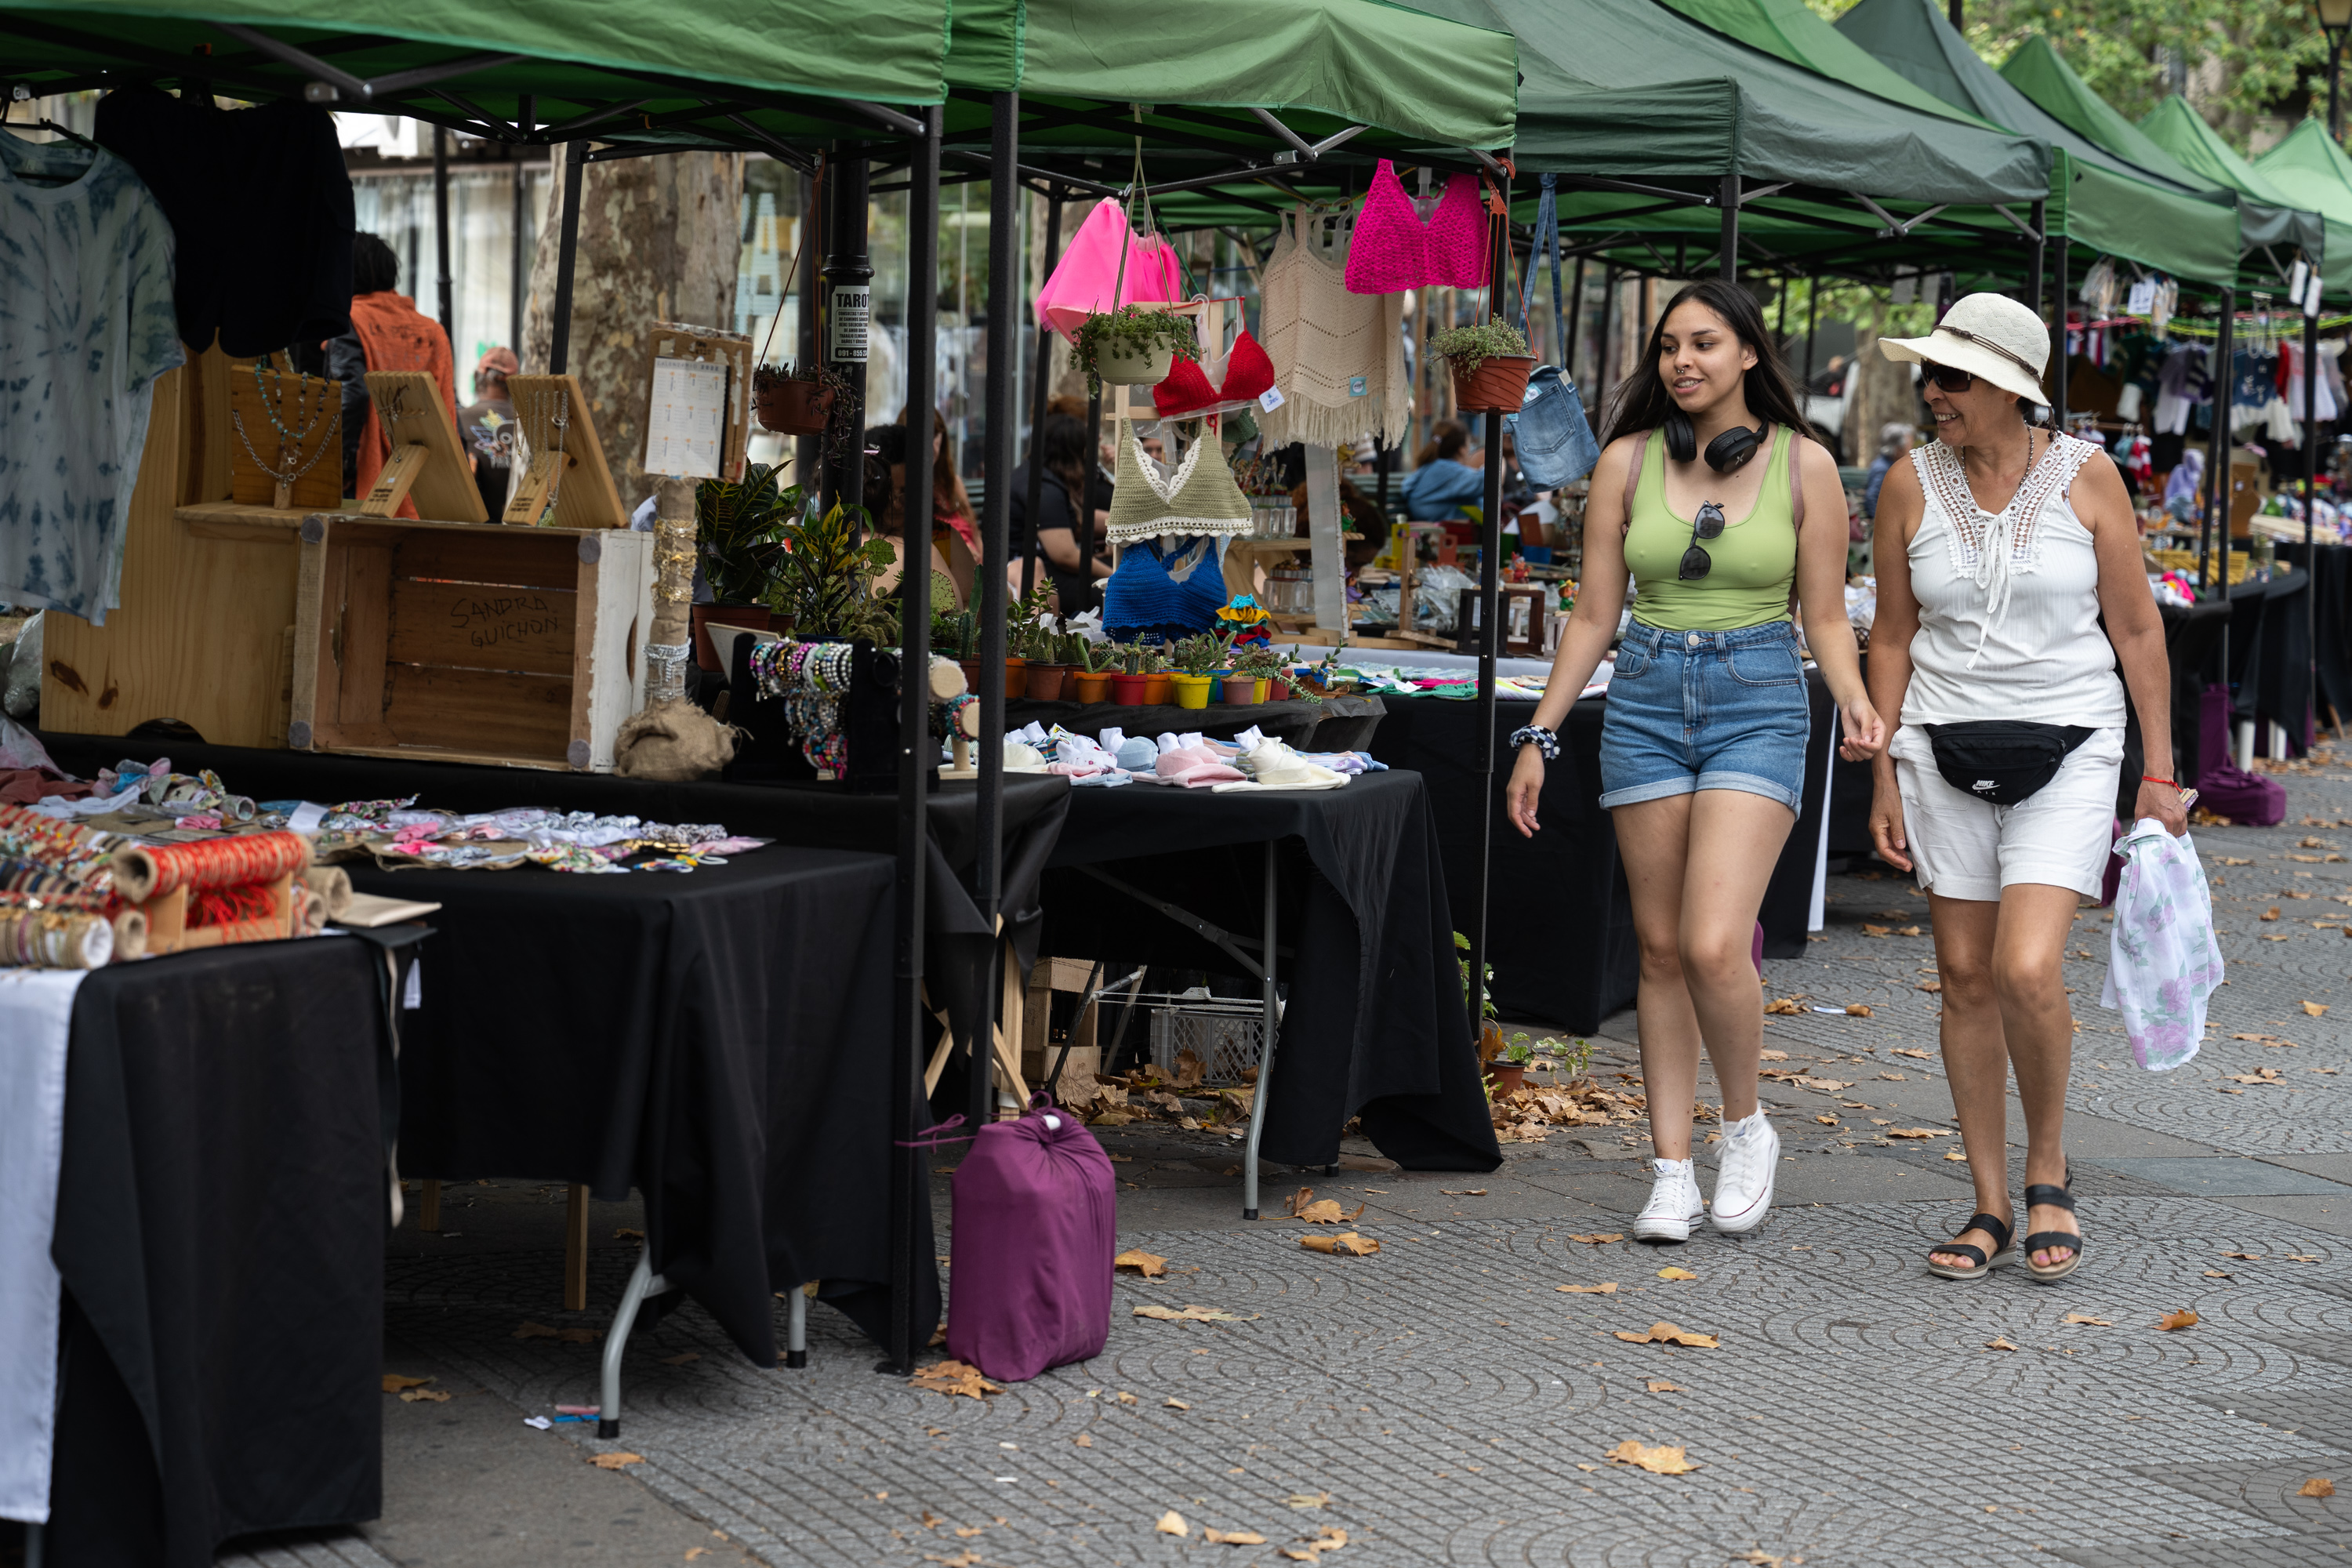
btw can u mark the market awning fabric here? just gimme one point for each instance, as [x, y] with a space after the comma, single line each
[2177, 128]
[1333, 63]
[2095, 197]
[2313, 171]
[792, 63]
[1627, 87]
[1791, 29]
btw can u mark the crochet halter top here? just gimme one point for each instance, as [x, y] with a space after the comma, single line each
[1199, 498]
[1393, 250]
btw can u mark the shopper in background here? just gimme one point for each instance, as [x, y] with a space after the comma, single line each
[1895, 443]
[388, 333]
[886, 495]
[1448, 473]
[487, 425]
[1065, 541]
[1999, 548]
[951, 502]
[1703, 751]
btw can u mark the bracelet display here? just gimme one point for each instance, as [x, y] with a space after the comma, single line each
[1543, 740]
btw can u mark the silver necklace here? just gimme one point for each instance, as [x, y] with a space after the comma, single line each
[285, 477]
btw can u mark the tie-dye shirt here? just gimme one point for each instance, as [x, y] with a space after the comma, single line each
[86, 326]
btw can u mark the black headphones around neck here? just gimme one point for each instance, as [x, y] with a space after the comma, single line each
[1726, 453]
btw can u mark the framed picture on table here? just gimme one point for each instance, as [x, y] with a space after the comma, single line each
[1522, 607]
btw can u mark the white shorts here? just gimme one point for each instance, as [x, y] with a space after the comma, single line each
[1966, 847]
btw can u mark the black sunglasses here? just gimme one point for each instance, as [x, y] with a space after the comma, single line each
[1948, 378]
[1696, 562]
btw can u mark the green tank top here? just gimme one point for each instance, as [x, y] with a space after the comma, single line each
[1755, 556]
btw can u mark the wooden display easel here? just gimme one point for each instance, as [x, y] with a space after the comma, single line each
[673, 340]
[567, 460]
[311, 407]
[427, 460]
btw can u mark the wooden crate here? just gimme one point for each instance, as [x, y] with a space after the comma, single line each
[468, 642]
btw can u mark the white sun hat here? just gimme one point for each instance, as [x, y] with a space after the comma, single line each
[1990, 335]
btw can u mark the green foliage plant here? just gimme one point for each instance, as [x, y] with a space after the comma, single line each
[1128, 332]
[1466, 348]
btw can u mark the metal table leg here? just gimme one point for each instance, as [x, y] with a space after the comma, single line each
[796, 1329]
[643, 1282]
[1266, 1057]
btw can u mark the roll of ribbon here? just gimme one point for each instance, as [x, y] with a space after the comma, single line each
[44, 939]
[330, 886]
[81, 853]
[145, 871]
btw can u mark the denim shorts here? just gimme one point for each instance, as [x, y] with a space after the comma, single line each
[1694, 710]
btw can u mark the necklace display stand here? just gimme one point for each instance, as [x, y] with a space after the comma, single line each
[568, 482]
[282, 427]
[426, 460]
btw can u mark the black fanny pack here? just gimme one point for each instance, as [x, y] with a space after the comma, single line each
[2003, 760]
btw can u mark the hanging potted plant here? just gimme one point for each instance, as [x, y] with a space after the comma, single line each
[1490, 364]
[1194, 657]
[1135, 345]
[796, 402]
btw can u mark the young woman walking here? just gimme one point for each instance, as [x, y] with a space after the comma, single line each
[1709, 497]
[1999, 548]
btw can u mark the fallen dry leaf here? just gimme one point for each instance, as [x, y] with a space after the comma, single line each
[1668, 1334]
[1774, 1056]
[1933, 988]
[1326, 1211]
[968, 1531]
[2300, 1257]
[694, 1552]
[2318, 1486]
[1659, 1461]
[2315, 1009]
[615, 1461]
[1308, 1499]
[1609, 1289]
[1858, 1010]
[438, 1397]
[964, 1559]
[953, 1377]
[1231, 1537]
[1600, 1239]
[2183, 1319]
[1125, 1397]
[1869, 929]
[681, 1358]
[1955, 1154]
[528, 1329]
[1671, 1272]
[1191, 1314]
[1756, 1557]
[1907, 1051]
[1312, 1551]
[1908, 930]
[2232, 860]
[1171, 1522]
[1173, 1403]
[1784, 1006]
[1918, 1132]
[394, 1382]
[1463, 1191]
[624, 1234]
[1660, 1385]
[1827, 1121]
[2086, 1318]
[1151, 1265]
[2269, 914]
[1999, 1343]
[2217, 1274]
[1347, 1244]
[1083, 1440]
[2244, 1256]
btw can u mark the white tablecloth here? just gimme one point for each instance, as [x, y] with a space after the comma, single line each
[36, 1021]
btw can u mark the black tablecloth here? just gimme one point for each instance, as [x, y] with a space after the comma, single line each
[1335, 725]
[2270, 651]
[2331, 576]
[717, 1040]
[1374, 1025]
[220, 1227]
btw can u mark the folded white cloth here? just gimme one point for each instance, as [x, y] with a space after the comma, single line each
[36, 1023]
[1275, 767]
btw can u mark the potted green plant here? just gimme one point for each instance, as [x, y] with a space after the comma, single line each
[1194, 657]
[1255, 669]
[1091, 667]
[825, 578]
[1481, 1003]
[1130, 682]
[1030, 639]
[1506, 1071]
[1135, 345]
[739, 532]
[797, 401]
[1490, 364]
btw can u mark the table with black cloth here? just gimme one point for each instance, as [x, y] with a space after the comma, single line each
[1560, 919]
[1374, 1025]
[1334, 724]
[221, 1213]
[2269, 651]
[714, 1039]
[2331, 581]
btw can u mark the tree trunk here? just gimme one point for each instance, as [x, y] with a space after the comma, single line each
[659, 241]
[1882, 394]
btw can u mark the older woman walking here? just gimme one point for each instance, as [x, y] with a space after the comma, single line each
[2000, 546]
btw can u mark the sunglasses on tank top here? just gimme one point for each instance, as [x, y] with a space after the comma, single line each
[1948, 378]
[1696, 562]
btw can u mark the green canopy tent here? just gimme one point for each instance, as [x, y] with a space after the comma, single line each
[2177, 128]
[2264, 225]
[639, 80]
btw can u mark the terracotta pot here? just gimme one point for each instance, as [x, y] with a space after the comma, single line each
[794, 407]
[1506, 1077]
[1276, 689]
[1047, 682]
[1016, 678]
[1159, 689]
[1147, 368]
[1242, 690]
[1191, 691]
[706, 652]
[971, 667]
[1131, 690]
[1498, 385]
[1090, 688]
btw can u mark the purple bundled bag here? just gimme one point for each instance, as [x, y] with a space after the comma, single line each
[1037, 1224]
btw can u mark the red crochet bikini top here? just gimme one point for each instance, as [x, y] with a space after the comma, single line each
[1393, 250]
[1187, 390]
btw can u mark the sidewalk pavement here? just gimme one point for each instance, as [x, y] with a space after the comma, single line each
[1448, 1400]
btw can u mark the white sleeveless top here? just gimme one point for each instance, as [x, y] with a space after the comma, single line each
[1339, 357]
[2009, 602]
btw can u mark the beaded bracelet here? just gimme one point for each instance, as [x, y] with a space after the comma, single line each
[1543, 740]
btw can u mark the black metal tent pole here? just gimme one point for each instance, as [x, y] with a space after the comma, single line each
[1490, 550]
[567, 253]
[2058, 381]
[2310, 548]
[2037, 246]
[1727, 266]
[1601, 349]
[518, 263]
[808, 451]
[1035, 491]
[848, 319]
[1568, 341]
[441, 232]
[2226, 349]
[1005, 291]
[917, 757]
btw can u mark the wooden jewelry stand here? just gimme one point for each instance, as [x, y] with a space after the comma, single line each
[567, 460]
[297, 423]
[427, 459]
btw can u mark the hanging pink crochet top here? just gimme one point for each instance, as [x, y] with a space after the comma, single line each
[1393, 250]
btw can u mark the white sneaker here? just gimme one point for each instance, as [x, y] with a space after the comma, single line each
[1674, 1206]
[1745, 1167]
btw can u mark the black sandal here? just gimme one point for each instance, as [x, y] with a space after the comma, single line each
[1983, 1265]
[2042, 1240]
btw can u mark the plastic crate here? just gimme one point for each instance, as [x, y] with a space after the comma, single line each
[1227, 1033]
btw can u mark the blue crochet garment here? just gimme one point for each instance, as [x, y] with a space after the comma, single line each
[1175, 587]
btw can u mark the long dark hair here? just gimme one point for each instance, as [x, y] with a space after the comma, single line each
[1061, 450]
[1642, 401]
